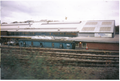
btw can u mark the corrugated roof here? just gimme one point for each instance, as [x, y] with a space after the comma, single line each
[100, 26]
[88, 28]
[105, 28]
[107, 23]
[91, 26]
[91, 23]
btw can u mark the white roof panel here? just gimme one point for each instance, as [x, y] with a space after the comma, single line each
[91, 26]
[99, 26]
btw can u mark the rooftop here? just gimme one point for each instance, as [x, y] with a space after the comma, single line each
[97, 39]
[91, 26]
[98, 26]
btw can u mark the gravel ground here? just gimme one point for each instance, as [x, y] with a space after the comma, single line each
[72, 73]
[88, 73]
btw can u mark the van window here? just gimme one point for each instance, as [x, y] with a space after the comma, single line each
[68, 45]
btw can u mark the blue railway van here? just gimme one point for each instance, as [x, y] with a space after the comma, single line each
[63, 34]
[61, 44]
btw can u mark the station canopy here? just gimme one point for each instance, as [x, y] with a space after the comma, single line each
[90, 26]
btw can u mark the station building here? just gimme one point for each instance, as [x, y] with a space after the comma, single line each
[92, 34]
[99, 35]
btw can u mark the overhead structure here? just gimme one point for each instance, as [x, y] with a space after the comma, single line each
[91, 28]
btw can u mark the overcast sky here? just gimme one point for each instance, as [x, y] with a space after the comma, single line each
[59, 9]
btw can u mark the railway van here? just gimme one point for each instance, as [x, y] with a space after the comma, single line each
[61, 44]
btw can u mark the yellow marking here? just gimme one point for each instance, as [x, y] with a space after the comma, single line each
[80, 42]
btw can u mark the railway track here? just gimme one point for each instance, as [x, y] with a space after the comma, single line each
[65, 57]
[60, 50]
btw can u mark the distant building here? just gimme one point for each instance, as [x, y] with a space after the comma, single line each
[28, 21]
[4, 22]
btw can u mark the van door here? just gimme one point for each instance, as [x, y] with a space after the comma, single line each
[61, 45]
[41, 45]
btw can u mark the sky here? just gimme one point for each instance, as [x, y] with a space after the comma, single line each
[74, 10]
